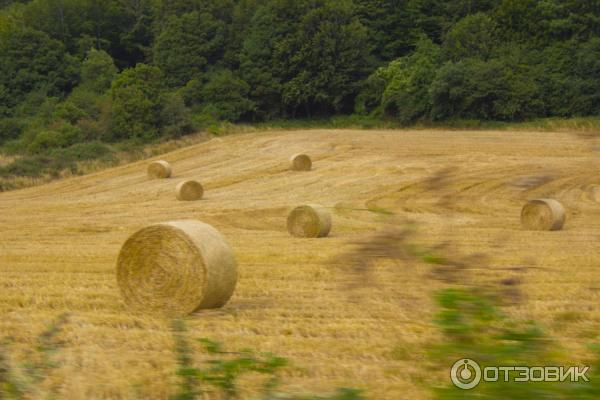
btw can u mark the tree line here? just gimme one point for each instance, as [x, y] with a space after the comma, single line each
[74, 71]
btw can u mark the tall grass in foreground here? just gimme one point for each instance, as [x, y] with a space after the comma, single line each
[24, 381]
[219, 375]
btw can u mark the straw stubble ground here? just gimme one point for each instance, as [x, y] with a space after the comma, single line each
[59, 244]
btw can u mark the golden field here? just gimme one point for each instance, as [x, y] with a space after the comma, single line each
[59, 243]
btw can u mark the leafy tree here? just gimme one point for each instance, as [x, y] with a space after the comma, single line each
[175, 117]
[325, 61]
[10, 128]
[67, 111]
[98, 71]
[187, 45]
[472, 36]
[136, 97]
[121, 27]
[391, 25]
[457, 9]
[219, 9]
[226, 96]
[533, 21]
[62, 136]
[30, 61]
[586, 78]
[489, 90]
[267, 28]
[402, 87]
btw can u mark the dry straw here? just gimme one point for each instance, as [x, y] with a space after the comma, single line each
[176, 268]
[159, 170]
[189, 191]
[301, 162]
[543, 215]
[310, 221]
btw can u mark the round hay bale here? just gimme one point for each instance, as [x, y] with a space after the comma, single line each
[159, 170]
[543, 215]
[189, 191]
[301, 162]
[176, 268]
[309, 221]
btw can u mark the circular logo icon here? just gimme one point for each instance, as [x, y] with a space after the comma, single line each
[465, 374]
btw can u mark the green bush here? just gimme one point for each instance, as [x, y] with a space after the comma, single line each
[84, 151]
[175, 117]
[97, 71]
[10, 128]
[69, 112]
[403, 86]
[472, 36]
[56, 160]
[64, 136]
[225, 97]
[488, 90]
[136, 103]
[187, 44]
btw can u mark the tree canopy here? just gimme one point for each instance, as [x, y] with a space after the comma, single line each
[142, 69]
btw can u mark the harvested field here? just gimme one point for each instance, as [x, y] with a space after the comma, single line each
[59, 245]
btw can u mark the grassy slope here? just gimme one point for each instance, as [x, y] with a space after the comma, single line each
[124, 153]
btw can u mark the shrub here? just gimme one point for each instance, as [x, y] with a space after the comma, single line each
[136, 103]
[175, 117]
[10, 128]
[84, 151]
[98, 71]
[226, 96]
[403, 86]
[64, 136]
[472, 36]
[187, 44]
[490, 90]
[69, 112]
[57, 160]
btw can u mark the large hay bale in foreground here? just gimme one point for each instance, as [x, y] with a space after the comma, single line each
[176, 268]
[543, 215]
[309, 221]
[301, 162]
[159, 170]
[189, 191]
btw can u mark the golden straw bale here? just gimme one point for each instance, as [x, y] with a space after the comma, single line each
[159, 170]
[543, 215]
[189, 191]
[310, 221]
[176, 268]
[301, 162]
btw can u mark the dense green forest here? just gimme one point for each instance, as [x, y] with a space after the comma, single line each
[76, 75]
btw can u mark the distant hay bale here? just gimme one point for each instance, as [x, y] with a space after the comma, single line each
[176, 268]
[543, 215]
[301, 162]
[189, 191]
[159, 170]
[309, 221]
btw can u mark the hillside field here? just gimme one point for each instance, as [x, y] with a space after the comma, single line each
[59, 243]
